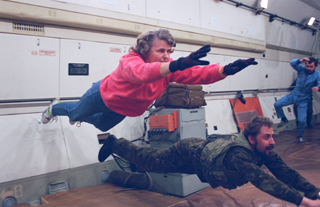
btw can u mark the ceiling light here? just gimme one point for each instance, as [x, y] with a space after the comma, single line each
[264, 4]
[311, 21]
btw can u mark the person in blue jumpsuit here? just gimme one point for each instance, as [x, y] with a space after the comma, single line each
[308, 81]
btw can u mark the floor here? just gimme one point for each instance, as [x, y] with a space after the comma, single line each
[305, 158]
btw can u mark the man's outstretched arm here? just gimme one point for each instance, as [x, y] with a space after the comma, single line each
[291, 177]
[262, 180]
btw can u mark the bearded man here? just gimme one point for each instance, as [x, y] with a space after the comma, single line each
[224, 162]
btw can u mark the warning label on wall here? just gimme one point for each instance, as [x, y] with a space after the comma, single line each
[47, 53]
[115, 50]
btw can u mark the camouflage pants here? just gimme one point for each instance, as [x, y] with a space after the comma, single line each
[182, 157]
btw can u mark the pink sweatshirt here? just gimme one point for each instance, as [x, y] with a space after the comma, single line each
[135, 85]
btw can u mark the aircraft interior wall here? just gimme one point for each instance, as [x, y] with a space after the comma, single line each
[35, 70]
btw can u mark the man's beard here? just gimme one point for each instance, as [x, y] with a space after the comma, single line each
[264, 154]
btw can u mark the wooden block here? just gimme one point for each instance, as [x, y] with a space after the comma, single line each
[112, 196]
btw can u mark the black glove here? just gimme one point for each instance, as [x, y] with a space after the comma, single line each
[192, 60]
[238, 65]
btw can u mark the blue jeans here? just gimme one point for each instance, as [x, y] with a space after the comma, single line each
[301, 111]
[91, 109]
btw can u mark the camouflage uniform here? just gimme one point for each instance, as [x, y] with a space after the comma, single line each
[182, 157]
[239, 165]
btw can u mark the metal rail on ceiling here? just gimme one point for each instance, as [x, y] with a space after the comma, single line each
[272, 17]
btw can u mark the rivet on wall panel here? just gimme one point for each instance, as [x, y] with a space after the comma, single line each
[38, 42]
[79, 45]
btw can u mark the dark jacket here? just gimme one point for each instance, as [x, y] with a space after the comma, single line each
[231, 162]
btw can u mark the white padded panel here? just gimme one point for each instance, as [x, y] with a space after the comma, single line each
[299, 39]
[316, 103]
[270, 74]
[26, 72]
[222, 85]
[277, 34]
[287, 36]
[130, 128]
[267, 106]
[102, 59]
[227, 18]
[29, 148]
[81, 143]
[178, 11]
[247, 78]
[219, 117]
[288, 75]
[136, 7]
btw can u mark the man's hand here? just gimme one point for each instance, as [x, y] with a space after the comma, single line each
[192, 60]
[238, 65]
[315, 89]
[310, 203]
[304, 60]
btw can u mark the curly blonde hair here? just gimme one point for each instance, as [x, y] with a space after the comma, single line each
[145, 40]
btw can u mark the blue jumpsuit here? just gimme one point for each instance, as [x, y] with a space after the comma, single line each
[301, 95]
